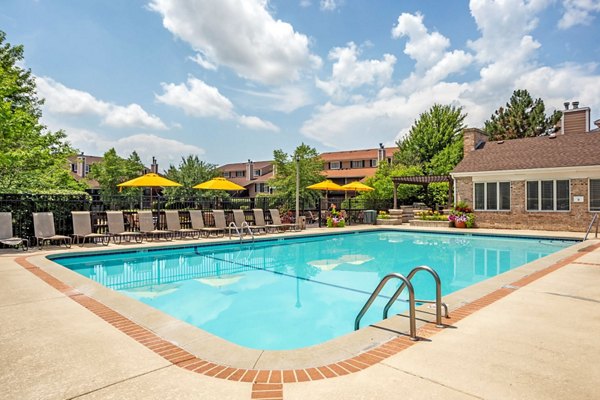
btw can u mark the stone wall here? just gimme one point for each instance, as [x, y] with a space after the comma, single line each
[577, 219]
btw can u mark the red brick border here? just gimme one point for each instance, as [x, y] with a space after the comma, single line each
[268, 384]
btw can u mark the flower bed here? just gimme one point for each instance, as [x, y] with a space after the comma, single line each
[462, 215]
[336, 219]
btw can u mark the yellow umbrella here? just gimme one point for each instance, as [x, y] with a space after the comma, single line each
[149, 180]
[357, 187]
[326, 185]
[219, 184]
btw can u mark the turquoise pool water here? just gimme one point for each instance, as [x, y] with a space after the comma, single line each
[297, 292]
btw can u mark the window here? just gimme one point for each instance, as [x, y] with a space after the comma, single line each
[261, 188]
[87, 168]
[239, 174]
[374, 163]
[74, 167]
[257, 172]
[357, 164]
[492, 196]
[548, 195]
[334, 165]
[594, 194]
[226, 174]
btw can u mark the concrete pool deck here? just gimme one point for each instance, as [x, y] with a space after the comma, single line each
[536, 341]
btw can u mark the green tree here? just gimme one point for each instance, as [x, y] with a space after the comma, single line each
[113, 170]
[384, 187]
[31, 157]
[435, 130]
[522, 117]
[284, 181]
[190, 172]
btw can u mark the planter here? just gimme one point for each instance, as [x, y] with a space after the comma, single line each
[460, 224]
[426, 223]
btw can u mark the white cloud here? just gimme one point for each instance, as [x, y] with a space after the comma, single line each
[578, 12]
[196, 99]
[305, 3]
[146, 145]
[330, 5]
[505, 55]
[198, 59]
[284, 98]
[350, 73]
[243, 36]
[257, 123]
[63, 100]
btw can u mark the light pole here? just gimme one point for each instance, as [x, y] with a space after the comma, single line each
[297, 190]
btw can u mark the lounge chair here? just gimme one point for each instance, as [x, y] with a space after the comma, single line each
[82, 229]
[277, 220]
[6, 233]
[43, 226]
[198, 223]
[147, 227]
[239, 217]
[116, 228]
[259, 220]
[174, 225]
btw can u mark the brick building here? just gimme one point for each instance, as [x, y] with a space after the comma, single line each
[549, 182]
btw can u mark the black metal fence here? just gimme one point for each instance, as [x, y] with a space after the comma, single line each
[23, 205]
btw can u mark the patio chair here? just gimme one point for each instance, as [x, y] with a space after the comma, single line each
[116, 228]
[259, 220]
[147, 227]
[174, 225]
[82, 229]
[277, 220]
[198, 223]
[43, 227]
[239, 217]
[312, 218]
[6, 233]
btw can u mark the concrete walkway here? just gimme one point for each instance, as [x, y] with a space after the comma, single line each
[539, 342]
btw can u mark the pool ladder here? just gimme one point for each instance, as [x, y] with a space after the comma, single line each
[240, 230]
[589, 229]
[411, 299]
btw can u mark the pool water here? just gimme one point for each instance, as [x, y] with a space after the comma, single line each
[291, 293]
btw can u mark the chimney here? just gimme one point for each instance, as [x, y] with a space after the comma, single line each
[380, 153]
[472, 138]
[81, 165]
[566, 103]
[154, 166]
[249, 170]
[576, 120]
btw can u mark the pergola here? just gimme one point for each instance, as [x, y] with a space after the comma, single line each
[423, 180]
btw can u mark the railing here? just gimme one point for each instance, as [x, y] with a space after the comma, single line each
[240, 230]
[597, 221]
[438, 295]
[411, 302]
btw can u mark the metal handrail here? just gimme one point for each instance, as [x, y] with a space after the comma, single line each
[438, 295]
[411, 300]
[594, 219]
[240, 231]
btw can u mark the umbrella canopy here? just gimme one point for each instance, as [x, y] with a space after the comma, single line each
[149, 180]
[357, 187]
[219, 281]
[326, 185]
[219, 184]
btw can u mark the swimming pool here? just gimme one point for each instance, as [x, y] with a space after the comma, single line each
[296, 292]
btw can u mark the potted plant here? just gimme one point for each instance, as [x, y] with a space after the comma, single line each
[462, 215]
[336, 219]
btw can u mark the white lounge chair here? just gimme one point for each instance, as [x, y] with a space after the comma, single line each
[174, 225]
[6, 233]
[277, 220]
[43, 226]
[82, 229]
[147, 226]
[197, 218]
[259, 220]
[116, 228]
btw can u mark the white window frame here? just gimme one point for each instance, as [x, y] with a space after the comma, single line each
[335, 165]
[361, 164]
[257, 172]
[374, 163]
[539, 198]
[485, 196]
[590, 194]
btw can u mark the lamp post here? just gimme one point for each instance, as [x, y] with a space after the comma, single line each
[297, 190]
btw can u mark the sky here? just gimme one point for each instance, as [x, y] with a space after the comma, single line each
[232, 80]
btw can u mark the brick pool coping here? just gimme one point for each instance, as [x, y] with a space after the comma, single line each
[268, 384]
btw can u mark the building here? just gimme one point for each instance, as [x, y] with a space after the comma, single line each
[79, 167]
[355, 165]
[252, 175]
[549, 182]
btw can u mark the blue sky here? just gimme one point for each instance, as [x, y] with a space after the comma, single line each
[232, 80]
